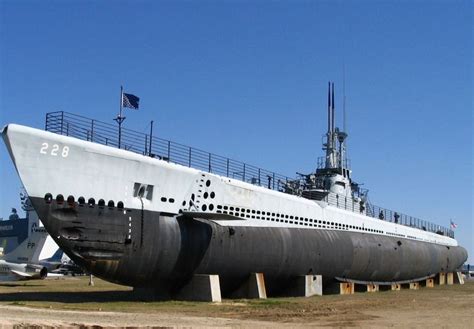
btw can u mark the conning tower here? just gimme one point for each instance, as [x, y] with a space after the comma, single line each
[333, 173]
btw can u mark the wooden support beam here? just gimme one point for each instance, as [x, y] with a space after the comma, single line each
[458, 278]
[429, 283]
[346, 288]
[372, 287]
[441, 278]
[414, 285]
[450, 278]
[363, 287]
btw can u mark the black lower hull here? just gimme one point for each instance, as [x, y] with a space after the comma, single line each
[148, 249]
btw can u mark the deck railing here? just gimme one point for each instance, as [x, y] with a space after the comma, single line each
[348, 203]
[77, 126]
[80, 127]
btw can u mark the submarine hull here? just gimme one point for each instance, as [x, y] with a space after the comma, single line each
[142, 248]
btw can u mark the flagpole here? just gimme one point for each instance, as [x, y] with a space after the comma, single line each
[120, 118]
[121, 101]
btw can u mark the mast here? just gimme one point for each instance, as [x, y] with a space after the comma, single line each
[330, 133]
[119, 119]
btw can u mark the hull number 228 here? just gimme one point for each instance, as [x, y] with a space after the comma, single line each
[55, 150]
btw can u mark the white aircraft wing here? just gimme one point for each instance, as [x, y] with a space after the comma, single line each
[20, 274]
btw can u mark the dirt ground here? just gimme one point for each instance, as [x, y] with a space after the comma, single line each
[70, 302]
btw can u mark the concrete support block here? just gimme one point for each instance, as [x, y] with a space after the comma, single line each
[202, 287]
[372, 287]
[458, 278]
[441, 278]
[313, 285]
[346, 288]
[253, 287]
[429, 283]
[396, 286]
[306, 286]
[414, 285]
[450, 278]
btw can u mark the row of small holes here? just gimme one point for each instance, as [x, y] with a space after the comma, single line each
[241, 212]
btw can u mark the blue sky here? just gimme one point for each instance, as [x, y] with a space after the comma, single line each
[248, 80]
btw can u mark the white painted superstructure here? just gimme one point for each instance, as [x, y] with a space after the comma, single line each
[61, 165]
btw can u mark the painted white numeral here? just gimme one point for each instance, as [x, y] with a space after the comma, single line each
[65, 152]
[44, 147]
[55, 149]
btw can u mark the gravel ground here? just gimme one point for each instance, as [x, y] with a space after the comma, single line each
[71, 303]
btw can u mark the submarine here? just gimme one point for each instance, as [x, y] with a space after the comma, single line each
[145, 212]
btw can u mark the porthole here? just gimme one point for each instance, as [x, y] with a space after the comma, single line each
[59, 198]
[206, 195]
[48, 197]
[211, 207]
[91, 202]
[171, 200]
[204, 207]
[213, 195]
[208, 183]
[184, 203]
[81, 200]
[163, 199]
[111, 204]
[120, 205]
[101, 203]
[70, 200]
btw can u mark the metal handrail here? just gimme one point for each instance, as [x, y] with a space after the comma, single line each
[349, 203]
[80, 127]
